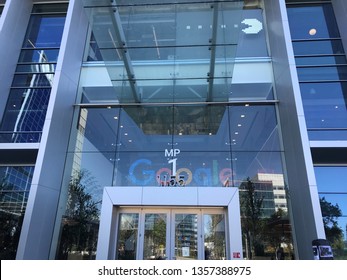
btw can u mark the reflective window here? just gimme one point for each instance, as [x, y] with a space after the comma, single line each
[316, 21]
[324, 105]
[44, 31]
[80, 223]
[168, 31]
[322, 73]
[186, 237]
[214, 237]
[40, 56]
[321, 68]
[320, 60]
[320, 47]
[154, 244]
[25, 115]
[148, 145]
[15, 182]
[127, 236]
[29, 96]
[171, 96]
[333, 198]
[184, 52]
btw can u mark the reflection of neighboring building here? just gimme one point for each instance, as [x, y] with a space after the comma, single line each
[270, 189]
[186, 235]
[279, 192]
[31, 115]
[15, 187]
[215, 91]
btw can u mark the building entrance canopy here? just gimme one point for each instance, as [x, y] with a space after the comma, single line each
[172, 52]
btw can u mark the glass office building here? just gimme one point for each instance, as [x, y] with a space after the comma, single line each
[170, 130]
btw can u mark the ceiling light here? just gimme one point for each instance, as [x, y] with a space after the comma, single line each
[239, 125]
[242, 116]
[312, 32]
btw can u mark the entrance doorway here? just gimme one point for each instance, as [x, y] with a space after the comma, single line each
[171, 234]
[169, 223]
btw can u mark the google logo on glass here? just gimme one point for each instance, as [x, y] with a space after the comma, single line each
[141, 172]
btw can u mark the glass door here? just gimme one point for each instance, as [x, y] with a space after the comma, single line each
[127, 236]
[186, 241]
[171, 234]
[214, 236]
[155, 235]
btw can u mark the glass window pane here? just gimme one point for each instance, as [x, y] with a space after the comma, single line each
[15, 182]
[145, 128]
[98, 167]
[25, 112]
[201, 128]
[253, 164]
[44, 31]
[158, 169]
[312, 21]
[324, 105]
[331, 179]
[80, 222]
[322, 73]
[50, 8]
[39, 55]
[154, 246]
[253, 128]
[214, 237]
[36, 68]
[322, 134]
[33, 80]
[97, 130]
[186, 237]
[318, 47]
[320, 60]
[127, 236]
[333, 200]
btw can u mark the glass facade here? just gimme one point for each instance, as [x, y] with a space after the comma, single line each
[168, 99]
[27, 104]
[333, 197]
[322, 69]
[321, 64]
[15, 184]
[164, 103]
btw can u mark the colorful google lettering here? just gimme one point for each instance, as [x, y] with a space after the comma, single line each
[141, 173]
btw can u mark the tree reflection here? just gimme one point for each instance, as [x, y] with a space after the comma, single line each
[251, 213]
[11, 223]
[334, 234]
[265, 229]
[80, 223]
[278, 233]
